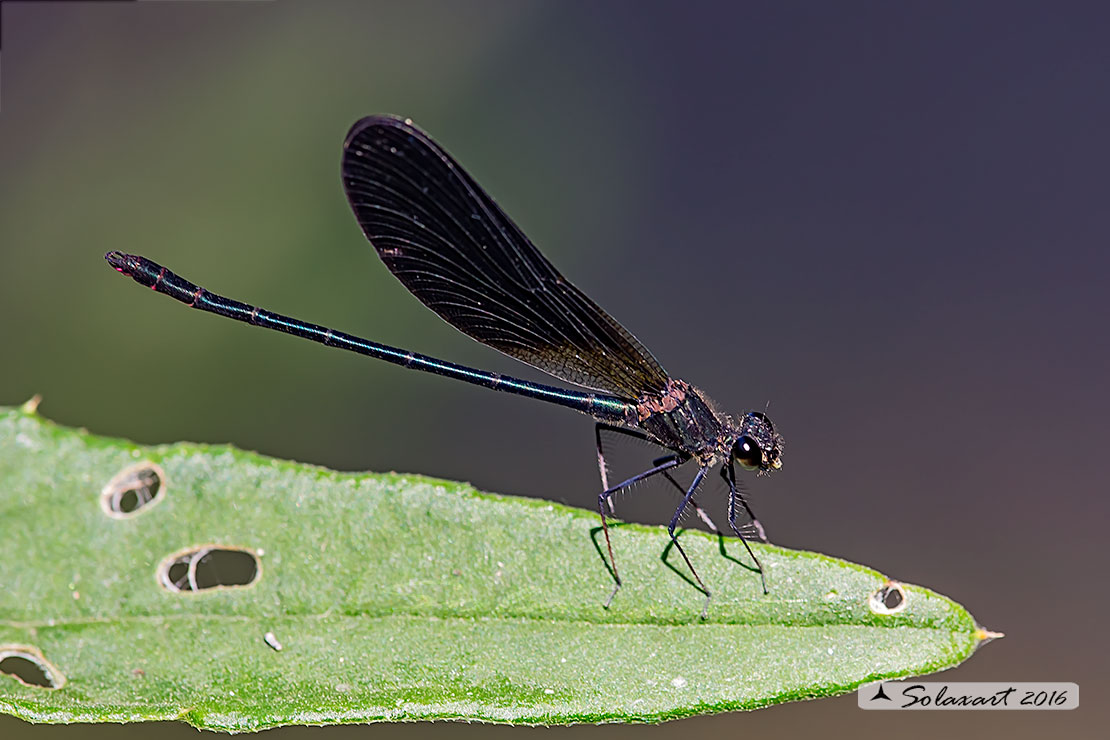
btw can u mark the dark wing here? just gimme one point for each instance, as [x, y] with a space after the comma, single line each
[455, 250]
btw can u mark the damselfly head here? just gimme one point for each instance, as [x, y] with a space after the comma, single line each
[758, 447]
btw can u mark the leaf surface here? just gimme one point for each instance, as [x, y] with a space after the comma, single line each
[399, 597]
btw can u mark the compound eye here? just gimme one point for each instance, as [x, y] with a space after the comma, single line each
[748, 454]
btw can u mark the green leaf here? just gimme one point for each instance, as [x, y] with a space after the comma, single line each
[389, 597]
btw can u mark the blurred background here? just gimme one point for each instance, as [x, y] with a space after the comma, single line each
[887, 220]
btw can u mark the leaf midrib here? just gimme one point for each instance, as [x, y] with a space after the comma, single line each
[229, 618]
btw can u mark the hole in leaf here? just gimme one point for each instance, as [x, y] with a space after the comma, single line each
[26, 671]
[208, 566]
[889, 599]
[132, 489]
[28, 666]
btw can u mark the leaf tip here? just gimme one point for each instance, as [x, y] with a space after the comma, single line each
[984, 636]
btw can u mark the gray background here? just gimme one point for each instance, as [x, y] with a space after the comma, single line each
[888, 220]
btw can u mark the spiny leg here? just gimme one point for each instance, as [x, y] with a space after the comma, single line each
[728, 472]
[607, 494]
[674, 523]
[682, 492]
[601, 466]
